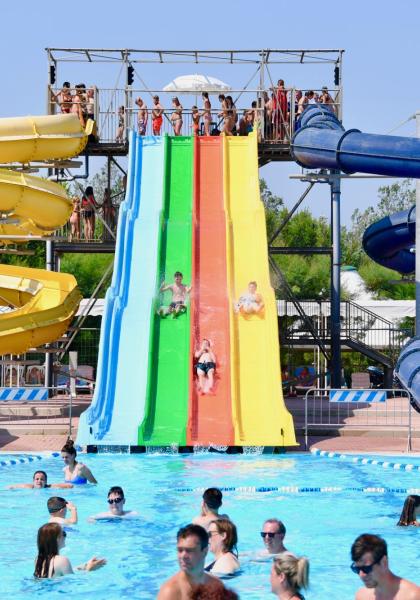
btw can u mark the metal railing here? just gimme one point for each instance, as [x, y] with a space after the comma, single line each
[395, 412]
[77, 229]
[116, 112]
[357, 324]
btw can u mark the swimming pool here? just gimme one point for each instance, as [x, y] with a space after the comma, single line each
[141, 554]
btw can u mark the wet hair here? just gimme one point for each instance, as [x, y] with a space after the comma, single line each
[197, 530]
[69, 445]
[408, 514]
[368, 542]
[205, 592]
[44, 474]
[205, 94]
[296, 570]
[231, 541]
[47, 541]
[280, 525]
[178, 274]
[213, 497]
[55, 503]
[116, 489]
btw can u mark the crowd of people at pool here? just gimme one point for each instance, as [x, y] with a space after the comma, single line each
[271, 112]
[214, 532]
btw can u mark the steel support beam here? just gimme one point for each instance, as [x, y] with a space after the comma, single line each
[335, 280]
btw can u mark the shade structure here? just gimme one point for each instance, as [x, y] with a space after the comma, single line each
[191, 84]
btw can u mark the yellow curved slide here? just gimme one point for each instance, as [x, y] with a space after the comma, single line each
[259, 414]
[43, 302]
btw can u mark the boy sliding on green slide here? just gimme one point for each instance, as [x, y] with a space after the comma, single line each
[179, 296]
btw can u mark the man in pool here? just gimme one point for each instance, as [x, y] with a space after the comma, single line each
[57, 507]
[250, 301]
[273, 533]
[116, 501]
[179, 296]
[212, 501]
[192, 548]
[39, 481]
[370, 561]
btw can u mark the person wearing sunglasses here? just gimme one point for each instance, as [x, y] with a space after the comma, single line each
[49, 563]
[273, 533]
[116, 501]
[57, 507]
[369, 554]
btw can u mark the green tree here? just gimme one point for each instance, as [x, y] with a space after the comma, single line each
[88, 270]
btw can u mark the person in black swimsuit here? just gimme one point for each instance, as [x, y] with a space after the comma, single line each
[206, 366]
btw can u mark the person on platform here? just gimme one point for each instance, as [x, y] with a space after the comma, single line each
[157, 116]
[142, 116]
[206, 113]
[176, 116]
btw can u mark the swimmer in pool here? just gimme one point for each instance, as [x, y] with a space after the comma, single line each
[251, 301]
[57, 507]
[116, 501]
[179, 296]
[74, 472]
[205, 366]
[39, 481]
[273, 533]
[212, 501]
[410, 511]
[49, 563]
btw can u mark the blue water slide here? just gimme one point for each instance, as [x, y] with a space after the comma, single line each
[408, 370]
[321, 142]
[118, 403]
[391, 241]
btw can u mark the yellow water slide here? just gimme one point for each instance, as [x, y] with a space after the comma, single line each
[259, 414]
[42, 302]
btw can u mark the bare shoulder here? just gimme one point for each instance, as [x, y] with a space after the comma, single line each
[363, 594]
[171, 589]
[213, 581]
[408, 590]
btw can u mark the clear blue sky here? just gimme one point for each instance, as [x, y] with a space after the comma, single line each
[381, 73]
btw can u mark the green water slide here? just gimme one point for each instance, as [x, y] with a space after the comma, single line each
[167, 395]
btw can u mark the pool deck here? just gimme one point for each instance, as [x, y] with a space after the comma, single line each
[46, 429]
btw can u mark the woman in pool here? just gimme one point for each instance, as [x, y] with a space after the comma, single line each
[410, 511]
[49, 563]
[288, 575]
[39, 481]
[223, 538]
[74, 472]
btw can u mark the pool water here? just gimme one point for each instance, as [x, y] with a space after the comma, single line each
[141, 553]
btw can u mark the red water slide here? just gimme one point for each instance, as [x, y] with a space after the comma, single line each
[210, 414]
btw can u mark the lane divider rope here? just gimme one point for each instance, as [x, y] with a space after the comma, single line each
[364, 460]
[303, 490]
[21, 460]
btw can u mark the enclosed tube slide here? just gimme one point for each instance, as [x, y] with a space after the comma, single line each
[321, 142]
[43, 302]
[391, 241]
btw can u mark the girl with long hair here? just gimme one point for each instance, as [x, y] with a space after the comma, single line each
[410, 511]
[51, 539]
